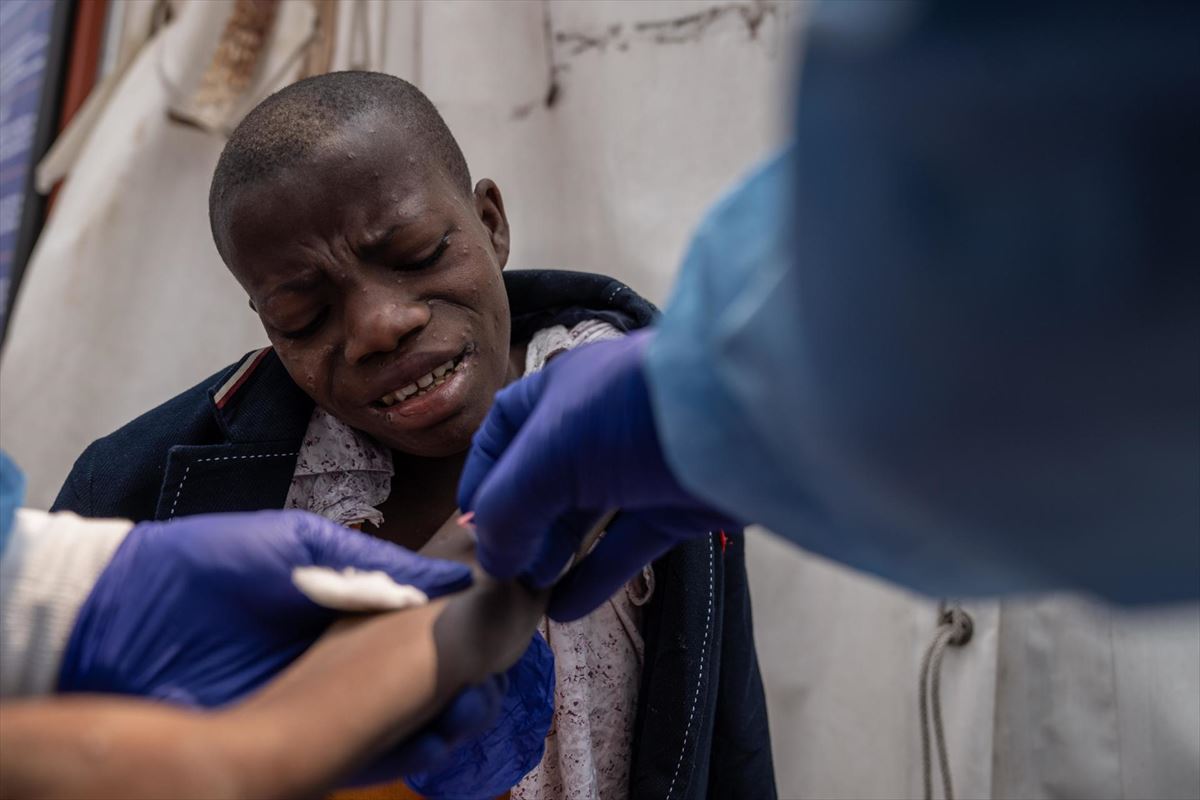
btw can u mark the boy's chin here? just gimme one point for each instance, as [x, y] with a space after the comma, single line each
[439, 444]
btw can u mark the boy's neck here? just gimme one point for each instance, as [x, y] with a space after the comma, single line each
[423, 497]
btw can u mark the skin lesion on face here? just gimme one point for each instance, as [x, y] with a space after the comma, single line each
[378, 280]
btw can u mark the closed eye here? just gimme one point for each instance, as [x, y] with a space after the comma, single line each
[309, 329]
[429, 260]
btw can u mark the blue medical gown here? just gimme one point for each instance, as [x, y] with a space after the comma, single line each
[952, 335]
[12, 490]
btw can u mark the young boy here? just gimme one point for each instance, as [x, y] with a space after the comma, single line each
[344, 207]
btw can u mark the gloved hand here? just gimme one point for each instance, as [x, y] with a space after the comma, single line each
[471, 714]
[560, 448]
[201, 611]
[494, 760]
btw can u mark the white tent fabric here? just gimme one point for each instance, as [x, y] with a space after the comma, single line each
[609, 126]
[1052, 698]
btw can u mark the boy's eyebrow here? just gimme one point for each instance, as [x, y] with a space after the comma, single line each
[373, 246]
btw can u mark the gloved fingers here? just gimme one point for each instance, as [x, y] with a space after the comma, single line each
[521, 499]
[420, 749]
[559, 547]
[512, 407]
[357, 572]
[629, 544]
[393, 764]
[471, 712]
[493, 761]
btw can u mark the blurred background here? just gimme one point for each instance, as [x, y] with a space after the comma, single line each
[609, 127]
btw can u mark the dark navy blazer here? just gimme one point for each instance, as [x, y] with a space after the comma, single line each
[230, 444]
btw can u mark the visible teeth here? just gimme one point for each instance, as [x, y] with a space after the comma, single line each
[440, 375]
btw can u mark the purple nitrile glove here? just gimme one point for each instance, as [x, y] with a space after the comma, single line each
[201, 611]
[558, 450]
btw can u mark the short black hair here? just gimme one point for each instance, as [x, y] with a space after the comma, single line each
[288, 126]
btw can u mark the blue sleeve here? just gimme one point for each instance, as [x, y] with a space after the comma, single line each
[962, 352]
[12, 490]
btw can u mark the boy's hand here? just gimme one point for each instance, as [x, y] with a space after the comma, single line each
[558, 450]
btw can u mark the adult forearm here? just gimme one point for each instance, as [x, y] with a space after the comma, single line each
[105, 747]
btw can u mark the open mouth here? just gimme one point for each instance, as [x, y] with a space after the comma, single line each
[427, 383]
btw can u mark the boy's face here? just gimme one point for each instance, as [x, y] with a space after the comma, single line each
[371, 273]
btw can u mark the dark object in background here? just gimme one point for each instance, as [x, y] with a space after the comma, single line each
[42, 29]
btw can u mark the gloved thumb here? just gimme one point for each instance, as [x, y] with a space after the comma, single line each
[512, 481]
[513, 405]
[631, 541]
[521, 503]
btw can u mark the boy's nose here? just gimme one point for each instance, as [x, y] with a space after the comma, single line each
[375, 328]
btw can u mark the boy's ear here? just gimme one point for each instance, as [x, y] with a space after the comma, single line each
[490, 207]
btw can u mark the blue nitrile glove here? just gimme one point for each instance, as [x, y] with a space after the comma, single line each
[201, 611]
[471, 714]
[560, 448]
[491, 763]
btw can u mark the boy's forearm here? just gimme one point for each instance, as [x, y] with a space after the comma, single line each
[488, 627]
